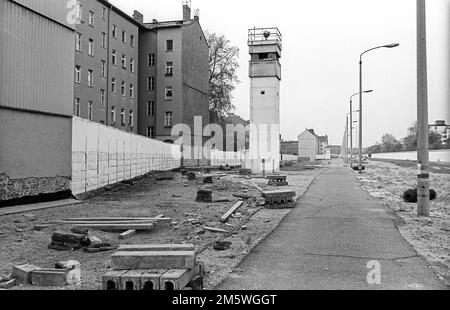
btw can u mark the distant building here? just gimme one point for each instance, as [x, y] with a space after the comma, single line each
[308, 145]
[289, 147]
[323, 145]
[36, 98]
[173, 74]
[335, 149]
[440, 127]
[234, 141]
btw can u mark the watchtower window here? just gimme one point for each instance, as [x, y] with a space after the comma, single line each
[263, 56]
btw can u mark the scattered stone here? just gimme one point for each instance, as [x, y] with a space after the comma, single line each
[41, 227]
[81, 231]
[200, 232]
[208, 180]
[191, 176]
[244, 228]
[222, 245]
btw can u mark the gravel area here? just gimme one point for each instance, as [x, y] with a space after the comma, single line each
[147, 197]
[429, 236]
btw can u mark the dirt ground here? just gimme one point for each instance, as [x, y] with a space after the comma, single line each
[429, 236]
[147, 197]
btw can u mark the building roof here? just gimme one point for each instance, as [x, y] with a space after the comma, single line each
[169, 24]
[121, 13]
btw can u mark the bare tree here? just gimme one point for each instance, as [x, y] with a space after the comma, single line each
[223, 63]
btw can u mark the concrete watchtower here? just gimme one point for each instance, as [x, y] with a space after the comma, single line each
[265, 45]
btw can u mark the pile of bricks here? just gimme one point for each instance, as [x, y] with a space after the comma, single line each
[154, 267]
[204, 195]
[277, 180]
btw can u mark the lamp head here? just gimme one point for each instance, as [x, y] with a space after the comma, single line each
[392, 45]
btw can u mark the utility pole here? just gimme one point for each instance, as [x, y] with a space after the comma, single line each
[346, 141]
[423, 178]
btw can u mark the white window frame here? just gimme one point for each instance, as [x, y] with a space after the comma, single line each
[124, 61]
[102, 98]
[150, 83]
[166, 97]
[131, 119]
[113, 115]
[150, 132]
[113, 85]
[168, 119]
[91, 47]
[151, 60]
[114, 57]
[91, 19]
[132, 40]
[122, 117]
[132, 91]
[90, 78]
[114, 31]
[103, 64]
[78, 41]
[167, 46]
[124, 36]
[77, 106]
[132, 65]
[103, 39]
[78, 74]
[123, 86]
[169, 68]
[90, 110]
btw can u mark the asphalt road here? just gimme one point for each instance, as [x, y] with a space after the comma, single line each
[327, 241]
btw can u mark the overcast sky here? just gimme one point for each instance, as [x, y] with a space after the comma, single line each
[322, 40]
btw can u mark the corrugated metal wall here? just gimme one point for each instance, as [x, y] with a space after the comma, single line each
[36, 61]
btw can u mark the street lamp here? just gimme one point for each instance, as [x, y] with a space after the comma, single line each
[351, 122]
[360, 168]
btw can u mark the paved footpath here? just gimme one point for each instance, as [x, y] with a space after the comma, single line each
[327, 241]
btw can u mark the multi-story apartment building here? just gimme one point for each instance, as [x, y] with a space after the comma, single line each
[173, 76]
[106, 65]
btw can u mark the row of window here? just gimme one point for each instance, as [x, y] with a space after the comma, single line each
[122, 116]
[152, 63]
[124, 61]
[91, 22]
[90, 113]
[122, 88]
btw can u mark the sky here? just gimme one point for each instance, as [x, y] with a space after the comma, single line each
[322, 41]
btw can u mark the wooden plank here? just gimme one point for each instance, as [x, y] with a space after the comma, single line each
[119, 227]
[216, 230]
[156, 247]
[117, 219]
[128, 234]
[227, 215]
[103, 222]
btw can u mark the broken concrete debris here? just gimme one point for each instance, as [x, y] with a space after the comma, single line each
[222, 245]
[216, 230]
[279, 197]
[65, 241]
[22, 273]
[154, 267]
[191, 176]
[208, 180]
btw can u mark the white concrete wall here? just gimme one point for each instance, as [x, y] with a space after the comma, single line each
[220, 158]
[103, 155]
[286, 157]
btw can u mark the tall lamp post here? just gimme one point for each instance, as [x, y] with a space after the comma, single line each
[351, 124]
[360, 168]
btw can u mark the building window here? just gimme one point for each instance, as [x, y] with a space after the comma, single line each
[113, 115]
[122, 88]
[113, 85]
[124, 36]
[90, 78]
[131, 119]
[114, 31]
[124, 61]
[102, 98]
[168, 119]
[114, 58]
[169, 68]
[78, 41]
[103, 40]
[151, 83]
[77, 74]
[150, 108]
[169, 93]
[169, 45]
[80, 12]
[151, 132]
[91, 47]
[90, 112]
[103, 68]
[122, 117]
[132, 65]
[131, 91]
[104, 13]
[132, 40]
[91, 18]
[151, 60]
[77, 107]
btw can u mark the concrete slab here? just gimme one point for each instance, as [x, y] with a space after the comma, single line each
[153, 260]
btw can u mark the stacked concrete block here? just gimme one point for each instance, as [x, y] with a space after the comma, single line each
[279, 197]
[153, 267]
[204, 196]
